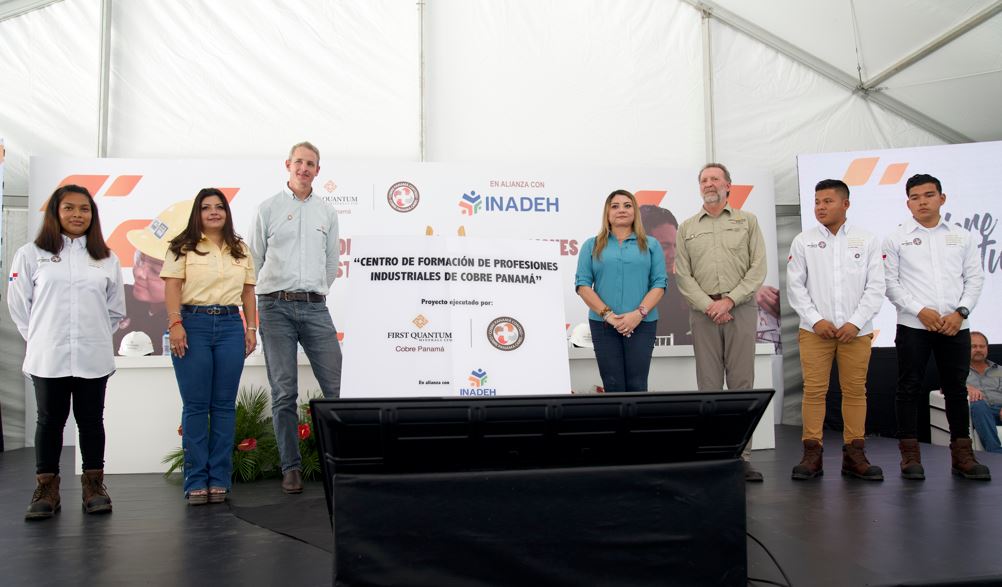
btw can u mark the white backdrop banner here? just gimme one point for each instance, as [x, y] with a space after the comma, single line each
[876, 181]
[454, 316]
[143, 202]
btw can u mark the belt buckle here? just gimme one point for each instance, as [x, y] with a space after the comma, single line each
[284, 296]
[214, 311]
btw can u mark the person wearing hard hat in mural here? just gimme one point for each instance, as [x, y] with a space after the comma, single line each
[144, 299]
[294, 244]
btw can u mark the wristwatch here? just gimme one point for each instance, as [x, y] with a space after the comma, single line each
[605, 312]
[964, 312]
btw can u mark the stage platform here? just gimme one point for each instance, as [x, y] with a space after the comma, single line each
[830, 531]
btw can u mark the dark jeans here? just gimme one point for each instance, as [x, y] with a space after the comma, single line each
[208, 377]
[623, 362]
[53, 398]
[953, 357]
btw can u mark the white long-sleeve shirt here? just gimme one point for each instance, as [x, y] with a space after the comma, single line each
[938, 268]
[835, 277]
[294, 244]
[66, 307]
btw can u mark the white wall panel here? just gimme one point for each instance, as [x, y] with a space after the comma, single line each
[242, 78]
[593, 81]
[49, 63]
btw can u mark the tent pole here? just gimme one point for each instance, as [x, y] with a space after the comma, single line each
[421, 89]
[829, 71]
[105, 79]
[708, 121]
[934, 45]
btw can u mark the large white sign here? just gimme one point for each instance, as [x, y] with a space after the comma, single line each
[454, 316]
[143, 201]
[876, 182]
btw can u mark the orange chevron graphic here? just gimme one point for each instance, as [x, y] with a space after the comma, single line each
[92, 182]
[739, 195]
[122, 186]
[230, 193]
[649, 197]
[860, 170]
[893, 173]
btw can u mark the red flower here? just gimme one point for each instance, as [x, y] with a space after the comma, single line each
[247, 444]
[179, 431]
[304, 431]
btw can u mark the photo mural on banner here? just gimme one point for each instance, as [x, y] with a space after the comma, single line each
[876, 181]
[454, 316]
[145, 202]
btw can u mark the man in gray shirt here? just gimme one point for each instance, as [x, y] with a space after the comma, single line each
[984, 390]
[294, 244]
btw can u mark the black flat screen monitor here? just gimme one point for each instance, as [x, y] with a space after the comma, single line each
[427, 435]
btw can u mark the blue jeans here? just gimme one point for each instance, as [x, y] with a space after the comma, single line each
[623, 362]
[283, 325]
[985, 417]
[208, 377]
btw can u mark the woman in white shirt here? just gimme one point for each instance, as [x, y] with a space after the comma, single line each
[66, 298]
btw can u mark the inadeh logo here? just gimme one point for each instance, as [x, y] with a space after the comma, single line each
[470, 203]
[478, 378]
[478, 381]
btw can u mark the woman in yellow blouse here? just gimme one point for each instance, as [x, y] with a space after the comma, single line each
[209, 275]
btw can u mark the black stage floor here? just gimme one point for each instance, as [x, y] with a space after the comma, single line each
[830, 531]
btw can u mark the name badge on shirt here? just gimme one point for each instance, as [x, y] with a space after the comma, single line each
[95, 264]
[954, 240]
[855, 242]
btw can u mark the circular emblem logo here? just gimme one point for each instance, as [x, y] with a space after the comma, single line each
[857, 255]
[917, 241]
[505, 333]
[822, 245]
[403, 196]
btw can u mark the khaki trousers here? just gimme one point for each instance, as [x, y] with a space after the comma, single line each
[725, 351]
[853, 359]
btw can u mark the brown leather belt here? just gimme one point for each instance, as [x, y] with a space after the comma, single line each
[295, 296]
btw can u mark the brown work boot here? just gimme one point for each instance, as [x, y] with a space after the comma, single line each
[292, 481]
[911, 459]
[45, 500]
[95, 496]
[854, 462]
[810, 466]
[964, 463]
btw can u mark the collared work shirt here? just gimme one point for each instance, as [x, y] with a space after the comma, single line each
[294, 244]
[215, 278]
[937, 268]
[722, 255]
[835, 277]
[623, 274]
[66, 307]
[990, 383]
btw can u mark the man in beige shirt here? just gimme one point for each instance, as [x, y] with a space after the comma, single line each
[719, 265]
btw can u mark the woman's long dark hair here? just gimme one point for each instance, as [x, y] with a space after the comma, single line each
[186, 242]
[50, 235]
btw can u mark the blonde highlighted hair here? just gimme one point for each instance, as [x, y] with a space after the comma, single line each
[602, 238]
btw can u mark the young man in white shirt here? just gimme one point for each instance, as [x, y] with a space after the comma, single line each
[835, 282]
[934, 278]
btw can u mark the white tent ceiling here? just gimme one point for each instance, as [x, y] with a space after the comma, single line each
[575, 81]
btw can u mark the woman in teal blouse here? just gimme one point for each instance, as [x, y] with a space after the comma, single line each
[621, 276]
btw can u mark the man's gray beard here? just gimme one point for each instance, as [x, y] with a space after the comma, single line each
[712, 198]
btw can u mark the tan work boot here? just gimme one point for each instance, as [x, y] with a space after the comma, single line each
[911, 459]
[964, 463]
[811, 465]
[45, 500]
[854, 462]
[95, 496]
